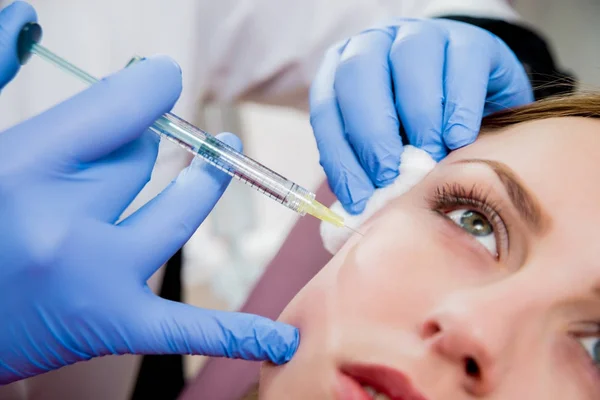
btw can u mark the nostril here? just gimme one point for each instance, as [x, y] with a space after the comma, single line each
[430, 329]
[472, 368]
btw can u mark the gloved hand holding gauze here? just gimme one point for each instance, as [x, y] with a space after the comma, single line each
[415, 164]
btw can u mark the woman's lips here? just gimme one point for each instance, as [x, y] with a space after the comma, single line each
[387, 381]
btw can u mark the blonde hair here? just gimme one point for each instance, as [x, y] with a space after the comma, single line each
[585, 104]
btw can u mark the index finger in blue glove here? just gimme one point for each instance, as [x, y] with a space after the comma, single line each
[163, 225]
[111, 113]
[509, 85]
[165, 327]
[364, 92]
[12, 19]
[417, 57]
[494, 77]
[347, 178]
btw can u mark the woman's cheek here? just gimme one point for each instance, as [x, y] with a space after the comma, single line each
[414, 243]
[412, 253]
[399, 262]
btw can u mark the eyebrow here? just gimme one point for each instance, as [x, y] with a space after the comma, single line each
[523, 200]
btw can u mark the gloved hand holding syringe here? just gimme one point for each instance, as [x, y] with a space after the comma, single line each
[200, 143]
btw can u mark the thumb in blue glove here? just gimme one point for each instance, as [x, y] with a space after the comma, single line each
[73, 278]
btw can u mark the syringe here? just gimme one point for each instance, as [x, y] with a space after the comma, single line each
[200, 143]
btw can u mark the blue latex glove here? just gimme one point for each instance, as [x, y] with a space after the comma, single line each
[72, 279]
[435, 78]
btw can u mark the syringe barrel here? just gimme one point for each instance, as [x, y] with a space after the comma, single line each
[232, 162]
[196, 141]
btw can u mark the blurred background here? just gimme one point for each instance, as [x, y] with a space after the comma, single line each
[228, 253]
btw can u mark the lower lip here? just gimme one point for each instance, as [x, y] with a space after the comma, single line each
[349, 389]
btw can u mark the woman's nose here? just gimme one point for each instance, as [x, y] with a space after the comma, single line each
[471, 339]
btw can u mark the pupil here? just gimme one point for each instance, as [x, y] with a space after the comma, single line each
[597, 353]
[476, 224]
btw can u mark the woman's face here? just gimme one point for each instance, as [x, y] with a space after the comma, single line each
[481, 282]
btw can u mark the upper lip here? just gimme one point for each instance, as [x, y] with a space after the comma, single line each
[389, 381]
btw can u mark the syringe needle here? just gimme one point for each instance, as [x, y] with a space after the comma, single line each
[354, 230]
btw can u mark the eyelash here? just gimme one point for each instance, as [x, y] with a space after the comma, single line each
[450, 197]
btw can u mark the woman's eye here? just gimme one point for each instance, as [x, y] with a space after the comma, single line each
[477, 225]
[591, 344]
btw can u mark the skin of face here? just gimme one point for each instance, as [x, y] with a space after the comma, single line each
[420, 294]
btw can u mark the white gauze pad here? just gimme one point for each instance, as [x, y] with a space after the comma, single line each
[414, 165]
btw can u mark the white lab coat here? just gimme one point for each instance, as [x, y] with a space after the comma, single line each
[229, 50]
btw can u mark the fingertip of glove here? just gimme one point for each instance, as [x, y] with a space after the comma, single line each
[231, 139]
[435, 151]
[166, 69]
[353, 193]
[292, 348]
[356, 207]
[289, 340]
[158, 74]
[386, 177]
[142, 92]
[459, 136]
[168, 63]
